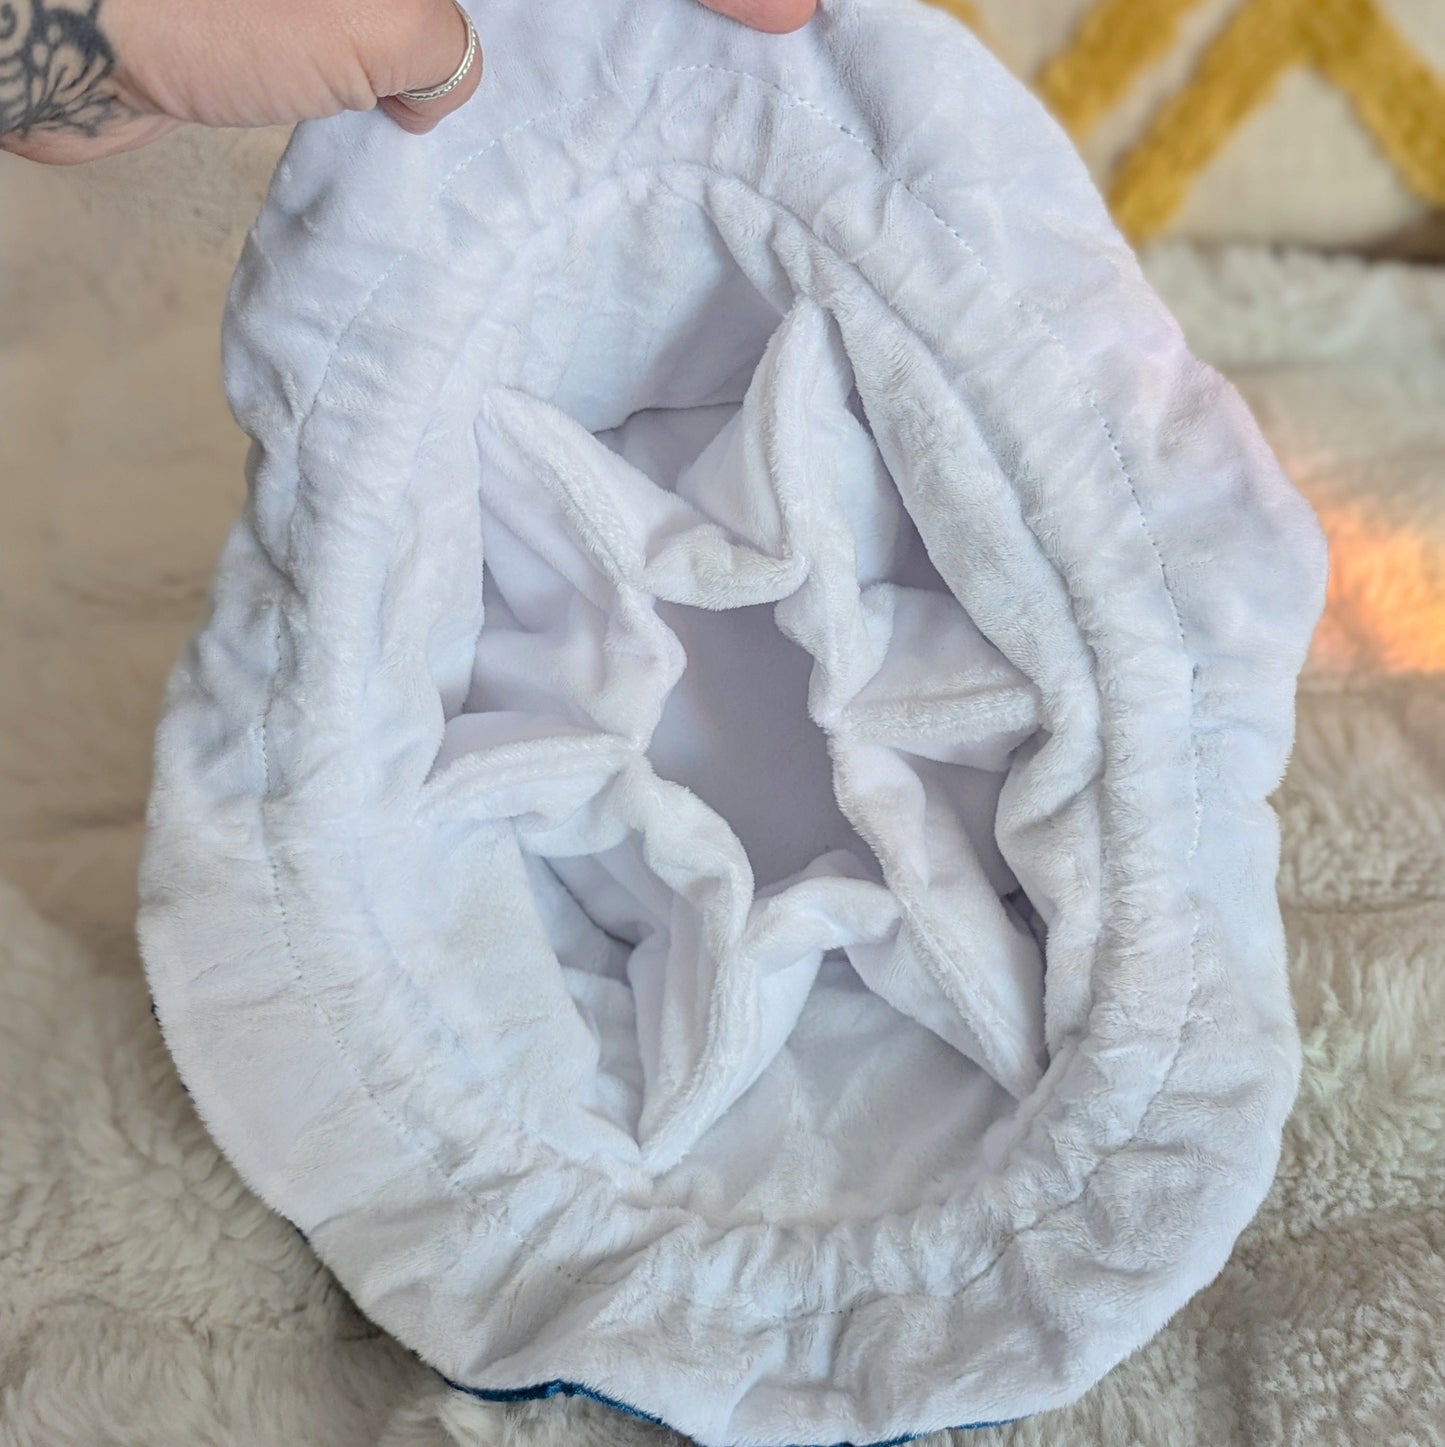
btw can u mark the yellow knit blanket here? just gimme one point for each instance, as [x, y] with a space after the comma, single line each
[1351, 43]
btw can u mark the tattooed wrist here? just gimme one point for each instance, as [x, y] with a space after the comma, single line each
[56, 68]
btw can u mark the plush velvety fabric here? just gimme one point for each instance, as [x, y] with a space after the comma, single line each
[714, 844]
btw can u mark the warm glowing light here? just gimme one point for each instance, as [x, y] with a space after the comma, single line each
[1385, 609]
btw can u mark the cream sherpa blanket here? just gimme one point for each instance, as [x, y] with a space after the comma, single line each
[148, 1299]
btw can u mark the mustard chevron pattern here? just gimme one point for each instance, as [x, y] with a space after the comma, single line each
[1353, 44]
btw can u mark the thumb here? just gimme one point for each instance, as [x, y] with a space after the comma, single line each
[429, 43]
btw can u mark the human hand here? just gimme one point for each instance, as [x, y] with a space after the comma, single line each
[80, 79]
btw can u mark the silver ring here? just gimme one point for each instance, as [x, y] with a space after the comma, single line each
[462, 71]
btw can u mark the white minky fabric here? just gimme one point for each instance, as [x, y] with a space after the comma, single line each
[148, 1299]
[714, 844]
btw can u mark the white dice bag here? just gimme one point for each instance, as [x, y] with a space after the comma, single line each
[713, 849]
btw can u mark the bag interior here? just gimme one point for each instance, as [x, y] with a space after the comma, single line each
[751, 744]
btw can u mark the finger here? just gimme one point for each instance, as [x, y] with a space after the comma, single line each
[433, 44]
[775, 16]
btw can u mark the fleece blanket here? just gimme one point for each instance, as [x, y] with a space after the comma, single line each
[713, 849]
[148, 1298]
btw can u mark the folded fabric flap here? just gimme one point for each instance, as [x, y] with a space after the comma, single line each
[508, 764]
[696, 995]
[569, 552]
[962, 965]
[944, 692]
[584, 944]
[995, 556]
[831, 487]
[912, 660]
[629, 529]
[719, 975]
[760, 988]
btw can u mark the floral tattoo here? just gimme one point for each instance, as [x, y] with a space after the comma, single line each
[55, 65]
